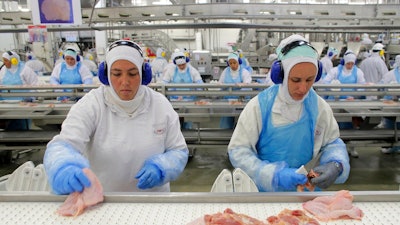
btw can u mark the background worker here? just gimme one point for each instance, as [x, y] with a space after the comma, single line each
[71, 71]
[245, 62]
[288, 124]
[88, 61]
[158, 65]
[374, 67]
[118, 132]
[34, 63]
[233, 74]
[327, 62]
[15, 72]
[347, 73]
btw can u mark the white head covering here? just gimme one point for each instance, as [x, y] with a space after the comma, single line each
[332, 52]
[233, 56]
[298, 54]
[123, 50]
[377, 47]
[179, 58]
[71, 52]
[349, 56]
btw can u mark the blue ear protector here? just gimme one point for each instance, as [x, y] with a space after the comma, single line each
[330, 54]
[181, 57]
[277, 72]
[146, 68]
[77, 56]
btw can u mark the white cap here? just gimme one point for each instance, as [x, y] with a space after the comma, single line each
[179, 58]
[377, 47]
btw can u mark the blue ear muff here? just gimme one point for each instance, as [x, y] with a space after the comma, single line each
[146, 73]
[330, 54]
[277, 72]
[29, 57]
[102, 73]
[180, 57]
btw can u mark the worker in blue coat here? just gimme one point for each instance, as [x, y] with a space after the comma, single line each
[288, 124]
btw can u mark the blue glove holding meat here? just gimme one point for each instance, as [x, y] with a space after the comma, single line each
[70, 179]
[288, 179]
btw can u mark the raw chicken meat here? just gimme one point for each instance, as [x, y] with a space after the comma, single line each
[227, 217]
[77, 202]
[308, 186]
[56, 10]
[339, 206]
[292, 217]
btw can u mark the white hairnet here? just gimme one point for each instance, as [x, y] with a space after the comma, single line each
[377, 47]
[233, 56]
[349, 56]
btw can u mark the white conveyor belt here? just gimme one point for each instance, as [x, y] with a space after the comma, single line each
[181, 208]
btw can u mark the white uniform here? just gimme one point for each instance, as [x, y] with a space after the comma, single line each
[374, 68]
[117, 143]
[333, 75]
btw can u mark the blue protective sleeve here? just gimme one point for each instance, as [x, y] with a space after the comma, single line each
[262, 172]
[336, 151]
[88, 81]
[60, 154]
[171, 163]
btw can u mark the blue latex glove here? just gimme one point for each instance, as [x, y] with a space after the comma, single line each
[149, 176]
[288, 179]
[70, 179]
[328, 173]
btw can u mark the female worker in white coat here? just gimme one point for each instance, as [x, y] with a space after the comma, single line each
[288, 124]
[118, 132]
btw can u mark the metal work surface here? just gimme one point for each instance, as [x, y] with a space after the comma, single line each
[181, 208]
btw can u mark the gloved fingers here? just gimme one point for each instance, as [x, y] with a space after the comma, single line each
[140, 173]
[82, 178]
[74, 184]
[65, 188]
[145, 182]
[300, 179]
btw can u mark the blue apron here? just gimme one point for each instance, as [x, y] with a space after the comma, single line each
[14, 79]
[352, 79]
[180, 78]
[292, 143]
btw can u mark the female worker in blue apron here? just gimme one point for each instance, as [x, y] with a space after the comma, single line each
[287, 125]
[233, 74]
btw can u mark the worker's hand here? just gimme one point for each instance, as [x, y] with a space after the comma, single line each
[327, 174]
[288, 179]
[149, 176]
[70, 179]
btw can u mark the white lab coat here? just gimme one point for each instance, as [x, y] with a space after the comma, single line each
[83, 71]
[374, 68]
[116, 143]
[157, 67]
[333, 75]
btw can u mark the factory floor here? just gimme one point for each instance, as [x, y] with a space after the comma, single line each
[372, 170]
